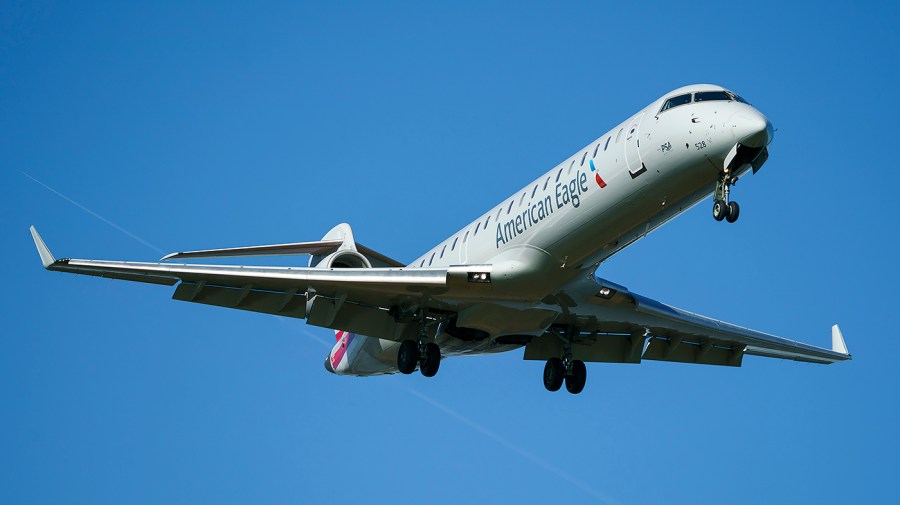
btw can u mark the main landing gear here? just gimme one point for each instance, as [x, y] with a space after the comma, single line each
[426, 355]
[565, 369]
[722, 207]
[573, 373]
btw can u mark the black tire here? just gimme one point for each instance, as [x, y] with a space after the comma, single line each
[554, 374]
[575, 381]
[408, 357]
[734, 210]
[431, 361]
[720, 210]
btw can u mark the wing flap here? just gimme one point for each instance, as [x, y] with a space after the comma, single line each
[705, 352]
[289, 303]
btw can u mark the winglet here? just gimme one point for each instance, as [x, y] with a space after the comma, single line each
[837, 341]
[46, 258]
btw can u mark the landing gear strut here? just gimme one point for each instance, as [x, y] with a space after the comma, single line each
[565, 369]
[427, 355]
[722, 207]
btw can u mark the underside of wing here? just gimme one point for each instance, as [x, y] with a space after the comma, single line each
[614, 325]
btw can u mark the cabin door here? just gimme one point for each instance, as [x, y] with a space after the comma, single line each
[633, 148]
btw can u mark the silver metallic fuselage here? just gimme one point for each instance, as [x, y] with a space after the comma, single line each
[645, 171]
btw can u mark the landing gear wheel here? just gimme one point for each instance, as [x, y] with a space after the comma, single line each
[734, 210]
[720, 210]
[575, 380]
[431, 360]
[554, 374]
[407, 356]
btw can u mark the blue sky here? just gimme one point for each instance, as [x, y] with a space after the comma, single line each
[199, 125]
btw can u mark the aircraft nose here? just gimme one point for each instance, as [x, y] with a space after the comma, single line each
[753, 129]
[328, 364]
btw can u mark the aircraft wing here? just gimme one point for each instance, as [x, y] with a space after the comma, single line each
[352, 299]
[616, 325]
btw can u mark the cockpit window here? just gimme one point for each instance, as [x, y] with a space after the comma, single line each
[739, 98]
[675, 101]
[707, 96]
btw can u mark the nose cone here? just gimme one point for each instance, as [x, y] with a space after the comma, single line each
[753, 129]
[328, 364]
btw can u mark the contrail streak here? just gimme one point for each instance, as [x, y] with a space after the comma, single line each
[586, 488]
[98, 216]
[513, 447]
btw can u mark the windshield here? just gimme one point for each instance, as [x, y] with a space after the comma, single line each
[675, 101]
[707, 96]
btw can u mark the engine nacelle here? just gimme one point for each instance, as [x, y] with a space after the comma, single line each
[344, 259]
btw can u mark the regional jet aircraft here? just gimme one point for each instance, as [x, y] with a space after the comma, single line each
[523, 273]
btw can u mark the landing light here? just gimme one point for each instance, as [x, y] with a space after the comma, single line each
[479, 277]
[606, 293]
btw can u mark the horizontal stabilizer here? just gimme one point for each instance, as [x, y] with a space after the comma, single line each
[319, 247]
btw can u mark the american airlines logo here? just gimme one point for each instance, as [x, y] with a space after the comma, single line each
[566, 193]
[600, 181]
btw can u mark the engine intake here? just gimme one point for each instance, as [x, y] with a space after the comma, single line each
[344, 259]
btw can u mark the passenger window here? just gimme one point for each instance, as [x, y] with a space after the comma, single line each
[487, 222]
[534, 191]
[477, 227]
[607, 142]
[558, 174]
[453, 246]
[432, 258]
[583, 158]
[499, 210]
[570, 167]
[619, 135]
[466, 238]
[676, 101]
[595, 150]
[443, 250]
[546, 182]
[422, 263]
[509, 209]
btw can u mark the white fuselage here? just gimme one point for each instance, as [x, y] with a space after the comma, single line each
[643, 172]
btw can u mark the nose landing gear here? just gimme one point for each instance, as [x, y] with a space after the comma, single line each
[722, 207]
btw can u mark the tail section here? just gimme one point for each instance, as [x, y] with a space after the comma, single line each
[349, 254]
[339, 358]
[359, 355]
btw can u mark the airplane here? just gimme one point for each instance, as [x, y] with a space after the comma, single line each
[522, 275]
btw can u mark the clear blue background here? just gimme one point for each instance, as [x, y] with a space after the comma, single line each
[214, 125]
